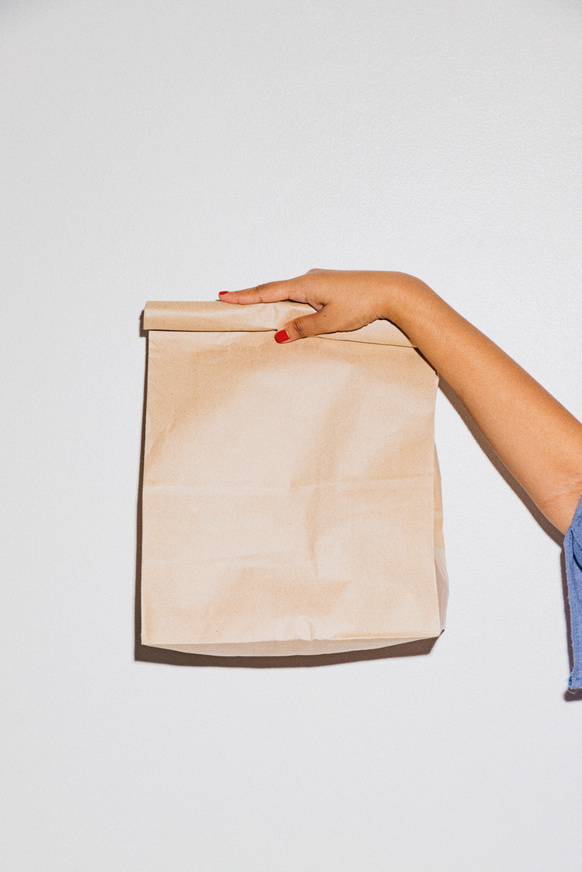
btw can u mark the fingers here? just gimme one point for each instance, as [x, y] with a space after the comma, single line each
[320, 322]
[330, 317]
[272, 292]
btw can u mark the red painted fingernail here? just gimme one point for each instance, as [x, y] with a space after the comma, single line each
[281, 336]
[220, 293]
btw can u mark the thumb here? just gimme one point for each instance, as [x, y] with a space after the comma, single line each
[308, 325]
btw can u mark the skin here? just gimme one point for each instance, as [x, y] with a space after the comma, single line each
[534, 436]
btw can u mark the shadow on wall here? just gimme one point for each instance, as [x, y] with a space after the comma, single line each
[149, 654]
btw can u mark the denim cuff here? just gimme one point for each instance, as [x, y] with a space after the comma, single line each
[573, 554]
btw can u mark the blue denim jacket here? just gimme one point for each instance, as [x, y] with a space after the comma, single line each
[573, 552]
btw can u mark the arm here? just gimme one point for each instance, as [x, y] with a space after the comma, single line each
[536, 438]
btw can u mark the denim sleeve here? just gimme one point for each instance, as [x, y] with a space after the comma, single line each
[573, 553]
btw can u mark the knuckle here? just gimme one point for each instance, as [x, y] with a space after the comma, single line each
[300, 329]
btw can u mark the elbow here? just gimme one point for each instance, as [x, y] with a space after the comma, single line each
[560, 507]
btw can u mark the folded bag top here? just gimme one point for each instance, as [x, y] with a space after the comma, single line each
[291, 495]
[233, 317]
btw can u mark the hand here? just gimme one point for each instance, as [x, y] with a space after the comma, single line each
[344, 300]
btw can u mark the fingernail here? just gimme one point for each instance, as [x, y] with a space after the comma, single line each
[220, 293]
[281, 336]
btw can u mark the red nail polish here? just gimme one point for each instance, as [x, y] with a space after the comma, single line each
[220, 293]
[281, 336]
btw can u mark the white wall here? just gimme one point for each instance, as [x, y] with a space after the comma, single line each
[172, 149]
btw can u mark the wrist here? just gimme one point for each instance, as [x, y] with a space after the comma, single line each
[401, 298]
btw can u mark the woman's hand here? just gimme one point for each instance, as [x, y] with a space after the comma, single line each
[344, 300]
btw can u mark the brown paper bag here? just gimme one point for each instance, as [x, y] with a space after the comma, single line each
[291, 495]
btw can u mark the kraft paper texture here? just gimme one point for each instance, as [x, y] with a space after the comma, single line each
[291, 495]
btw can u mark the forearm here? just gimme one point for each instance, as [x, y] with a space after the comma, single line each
[536, 438]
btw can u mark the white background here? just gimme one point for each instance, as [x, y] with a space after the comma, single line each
[169, 150]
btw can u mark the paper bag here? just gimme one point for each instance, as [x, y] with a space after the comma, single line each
[291, 495]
